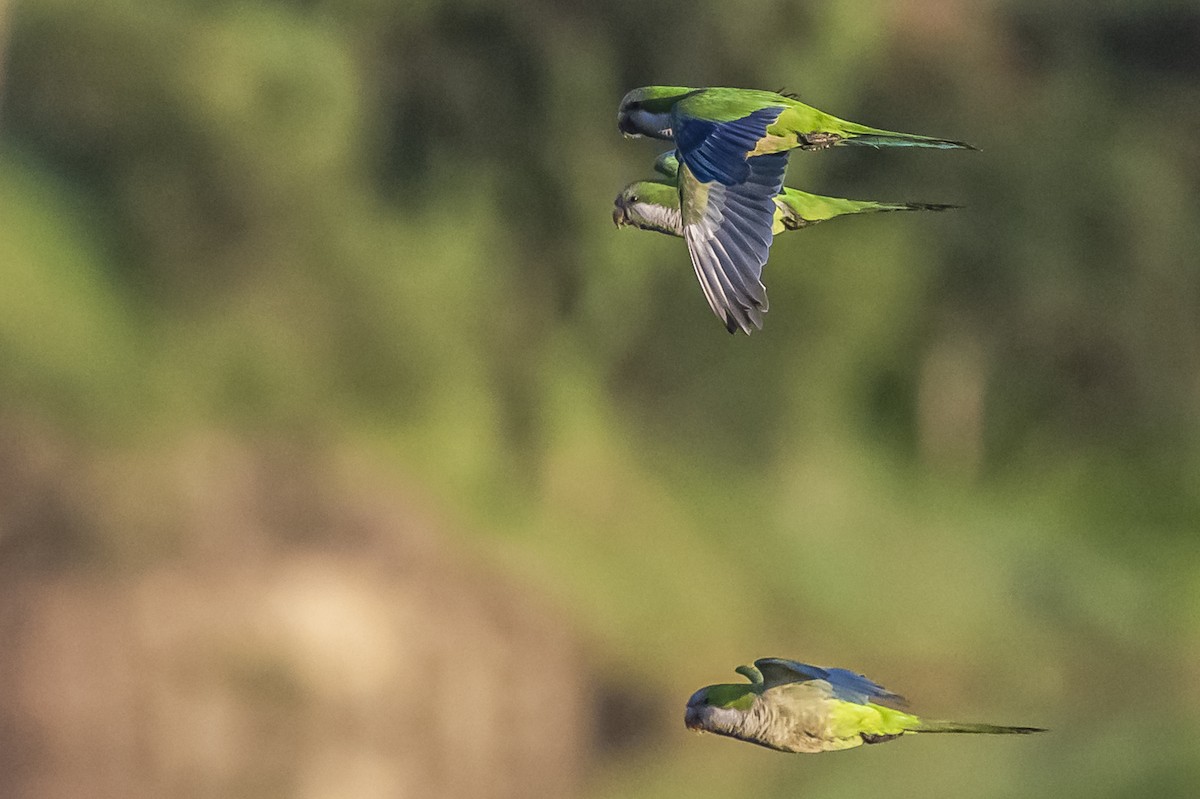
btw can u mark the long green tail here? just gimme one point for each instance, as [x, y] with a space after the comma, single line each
[862, 136]
[918, 207]
[800, 208]
[815, 130]
[829, 209]
[903, 140]
[986, 729]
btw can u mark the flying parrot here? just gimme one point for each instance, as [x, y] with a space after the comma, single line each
[734, 144]
[795, 707]
[654, 204]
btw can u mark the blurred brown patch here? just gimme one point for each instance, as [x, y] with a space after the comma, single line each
[234, 621]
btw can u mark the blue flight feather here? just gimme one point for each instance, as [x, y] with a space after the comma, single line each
[847, 686]
[716, 151]
[729, 243]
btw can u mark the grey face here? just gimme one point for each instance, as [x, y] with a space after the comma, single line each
[693, 718]
[710, 718]
[625, 123]
[634, 121]
[629, 209]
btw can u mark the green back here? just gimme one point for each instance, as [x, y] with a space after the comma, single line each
[817, 207]
[667, 164]
[724, 105]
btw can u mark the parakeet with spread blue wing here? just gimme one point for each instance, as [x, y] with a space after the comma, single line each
[795, 707]
[733, 145]
[654, 204]
[766, 122]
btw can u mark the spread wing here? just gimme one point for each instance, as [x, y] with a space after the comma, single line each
[728, 234]
[716, 151]
[845, 684]
[728, 210]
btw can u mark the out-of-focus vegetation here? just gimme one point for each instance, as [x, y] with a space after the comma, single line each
[961, 457]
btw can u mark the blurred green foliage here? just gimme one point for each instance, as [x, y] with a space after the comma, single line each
[962, 455]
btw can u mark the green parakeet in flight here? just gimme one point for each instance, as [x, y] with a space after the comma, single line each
[654, 204]
[733, 145]
[795, 707]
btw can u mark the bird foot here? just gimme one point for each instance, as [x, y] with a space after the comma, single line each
[818, 140]
[868, 738]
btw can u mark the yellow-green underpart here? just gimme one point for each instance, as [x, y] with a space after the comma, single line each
[847, 719]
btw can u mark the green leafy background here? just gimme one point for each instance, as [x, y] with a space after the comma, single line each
[961, 456]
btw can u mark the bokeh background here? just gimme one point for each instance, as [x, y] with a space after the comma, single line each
[346, 449]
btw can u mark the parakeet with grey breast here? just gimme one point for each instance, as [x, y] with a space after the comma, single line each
[796, 707]
[654, 204]
[733, 145]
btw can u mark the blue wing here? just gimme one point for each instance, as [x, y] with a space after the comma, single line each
[728, 233]
[716, 151]
[847, 686]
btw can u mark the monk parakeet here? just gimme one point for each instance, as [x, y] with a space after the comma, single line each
[654, 204]
[766, 122]
[795, 707]
[733, 144]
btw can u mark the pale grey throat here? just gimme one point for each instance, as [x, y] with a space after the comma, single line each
[659, 217]
[650, 124]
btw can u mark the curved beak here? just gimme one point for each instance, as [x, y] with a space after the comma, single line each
[619, 215]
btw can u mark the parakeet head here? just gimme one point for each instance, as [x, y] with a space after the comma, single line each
[720, 708]
[622, 205]
[647, 111]
[649, 205]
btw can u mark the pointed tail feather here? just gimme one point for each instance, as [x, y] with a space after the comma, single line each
[931, 206]
[854, 134]
[796, 209]
[913, 207]
[986, 729]
[902, 140]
